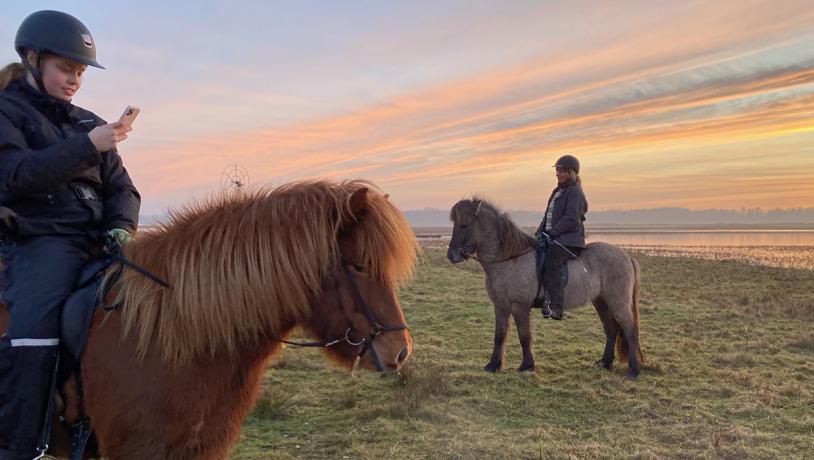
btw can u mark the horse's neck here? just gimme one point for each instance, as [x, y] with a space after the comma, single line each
[490, 248]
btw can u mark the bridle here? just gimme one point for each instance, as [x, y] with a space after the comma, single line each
[376, 328]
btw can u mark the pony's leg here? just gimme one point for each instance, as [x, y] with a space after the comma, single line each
[611, 328]
[501, 327]
[521, 321]
[631, 335]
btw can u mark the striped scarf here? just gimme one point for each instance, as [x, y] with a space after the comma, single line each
[550, 211]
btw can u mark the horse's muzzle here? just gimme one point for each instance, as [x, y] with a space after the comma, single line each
[455, 255]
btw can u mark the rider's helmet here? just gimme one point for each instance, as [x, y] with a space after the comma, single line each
[57, 33]
[568, 162]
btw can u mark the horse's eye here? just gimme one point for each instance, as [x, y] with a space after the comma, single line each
[463, 226]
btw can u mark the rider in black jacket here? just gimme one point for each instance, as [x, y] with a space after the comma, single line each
[64, 187]
[562, 229]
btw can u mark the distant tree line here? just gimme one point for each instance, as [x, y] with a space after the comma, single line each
[430, 217]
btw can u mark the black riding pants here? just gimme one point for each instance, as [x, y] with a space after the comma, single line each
[39, 274]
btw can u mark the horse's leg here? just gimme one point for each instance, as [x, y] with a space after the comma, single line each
[621, 312]
[501, 327]
[521, 321]
[611, 328]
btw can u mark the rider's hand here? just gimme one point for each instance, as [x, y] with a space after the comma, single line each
[121, 235]
[545, 237]
[106, 137]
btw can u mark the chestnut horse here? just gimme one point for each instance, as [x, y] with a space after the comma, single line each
[173, 372]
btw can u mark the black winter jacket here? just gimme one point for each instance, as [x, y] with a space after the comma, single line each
[51, 175]
[568, 216]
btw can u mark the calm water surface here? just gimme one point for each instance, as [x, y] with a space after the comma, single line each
[792, 248]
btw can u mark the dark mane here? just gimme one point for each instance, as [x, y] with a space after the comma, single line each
[513, 240]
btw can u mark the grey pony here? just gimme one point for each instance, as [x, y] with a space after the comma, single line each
[603, 275]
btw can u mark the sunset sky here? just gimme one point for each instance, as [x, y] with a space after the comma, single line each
[690, 104]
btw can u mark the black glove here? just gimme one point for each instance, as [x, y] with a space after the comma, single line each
[542, 236]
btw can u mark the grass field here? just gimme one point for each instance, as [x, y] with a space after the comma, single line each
[730, 374]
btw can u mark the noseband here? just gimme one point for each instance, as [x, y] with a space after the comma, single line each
[376, 328]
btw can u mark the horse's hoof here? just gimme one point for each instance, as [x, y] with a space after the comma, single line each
[492, 367]
[604, 364]
[632, 374]
[526, 368]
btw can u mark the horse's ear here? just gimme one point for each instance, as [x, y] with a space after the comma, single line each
[359, 202]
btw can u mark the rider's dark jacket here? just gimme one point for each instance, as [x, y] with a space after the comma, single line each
[51, 175]
[568, 215]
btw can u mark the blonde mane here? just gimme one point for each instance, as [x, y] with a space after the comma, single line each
[241, 265]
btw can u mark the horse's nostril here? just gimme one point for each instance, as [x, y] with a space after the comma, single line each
[403, 355]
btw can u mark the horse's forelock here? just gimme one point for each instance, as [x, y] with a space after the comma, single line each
[467, 210]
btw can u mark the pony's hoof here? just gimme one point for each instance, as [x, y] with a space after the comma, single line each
[492, 367]
[604, 364]
[632, 374]
[526, 367]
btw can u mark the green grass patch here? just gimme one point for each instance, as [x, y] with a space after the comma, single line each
[730, 374]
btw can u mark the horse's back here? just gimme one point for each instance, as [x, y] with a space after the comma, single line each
[603, 251]
[599, 266]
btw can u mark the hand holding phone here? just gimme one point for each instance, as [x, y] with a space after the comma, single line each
[129, 115]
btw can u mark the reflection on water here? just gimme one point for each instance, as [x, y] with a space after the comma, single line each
[771, 247]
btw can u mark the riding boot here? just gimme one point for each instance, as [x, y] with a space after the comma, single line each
[25, 385]
[539, 299]
[555, 257]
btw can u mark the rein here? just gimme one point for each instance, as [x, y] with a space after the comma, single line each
[324, 344]
[114, 251]
[506, 259]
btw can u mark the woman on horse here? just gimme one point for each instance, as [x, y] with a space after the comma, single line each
[562, 230]
[64, 189]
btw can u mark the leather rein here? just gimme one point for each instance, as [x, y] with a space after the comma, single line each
[531, 249]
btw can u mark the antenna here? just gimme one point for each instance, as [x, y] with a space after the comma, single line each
[233, 179]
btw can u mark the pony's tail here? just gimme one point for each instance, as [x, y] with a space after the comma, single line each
[622, 347]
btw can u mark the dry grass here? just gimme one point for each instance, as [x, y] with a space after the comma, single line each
[730, 375]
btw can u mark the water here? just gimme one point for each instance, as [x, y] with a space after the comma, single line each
[776, 247]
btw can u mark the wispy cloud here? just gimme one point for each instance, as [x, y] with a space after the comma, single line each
[689, 103]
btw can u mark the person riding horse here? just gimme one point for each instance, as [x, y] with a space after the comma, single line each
[561, 231]
[65, 189]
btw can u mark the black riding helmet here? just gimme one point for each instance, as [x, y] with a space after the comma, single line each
[568, 162]
[57, 33]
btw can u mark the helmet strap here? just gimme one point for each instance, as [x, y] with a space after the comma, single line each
[35, 70]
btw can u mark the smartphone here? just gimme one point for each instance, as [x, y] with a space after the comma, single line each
[129, 115]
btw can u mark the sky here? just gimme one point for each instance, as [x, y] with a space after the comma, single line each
[693, 104]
